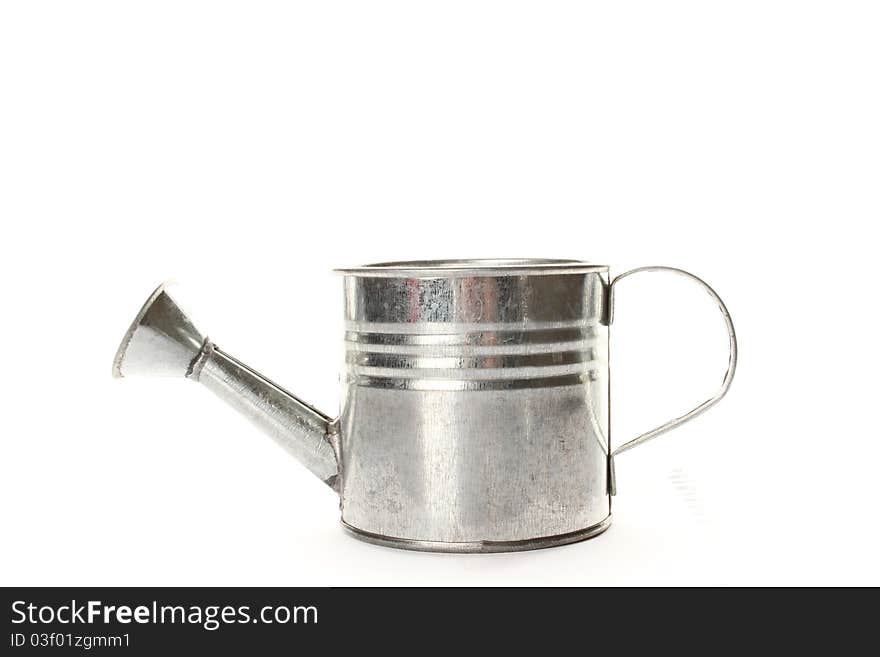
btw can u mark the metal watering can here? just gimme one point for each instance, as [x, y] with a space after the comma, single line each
[475, 400]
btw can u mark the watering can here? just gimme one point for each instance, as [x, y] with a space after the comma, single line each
[474, 414]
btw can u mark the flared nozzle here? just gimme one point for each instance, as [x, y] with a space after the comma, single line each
[162, 341]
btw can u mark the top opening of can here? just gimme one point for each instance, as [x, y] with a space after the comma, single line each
[474, 267]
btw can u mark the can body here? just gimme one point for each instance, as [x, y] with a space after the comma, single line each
[474, 412]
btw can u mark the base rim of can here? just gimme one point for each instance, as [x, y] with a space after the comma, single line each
[472, 547]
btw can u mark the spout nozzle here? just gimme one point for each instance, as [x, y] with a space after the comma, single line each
[161, 341]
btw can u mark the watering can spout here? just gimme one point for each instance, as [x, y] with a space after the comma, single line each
[163, 341]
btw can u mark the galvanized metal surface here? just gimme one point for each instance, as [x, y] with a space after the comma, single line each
[475, 400]
[466, 415]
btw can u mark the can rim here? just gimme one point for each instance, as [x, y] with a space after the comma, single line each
[473, 267]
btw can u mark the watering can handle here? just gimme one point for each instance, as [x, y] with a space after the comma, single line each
[706, 405]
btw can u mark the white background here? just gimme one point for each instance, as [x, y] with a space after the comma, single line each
[247, 148]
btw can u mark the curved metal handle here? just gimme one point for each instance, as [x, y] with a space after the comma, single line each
[728, 376]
